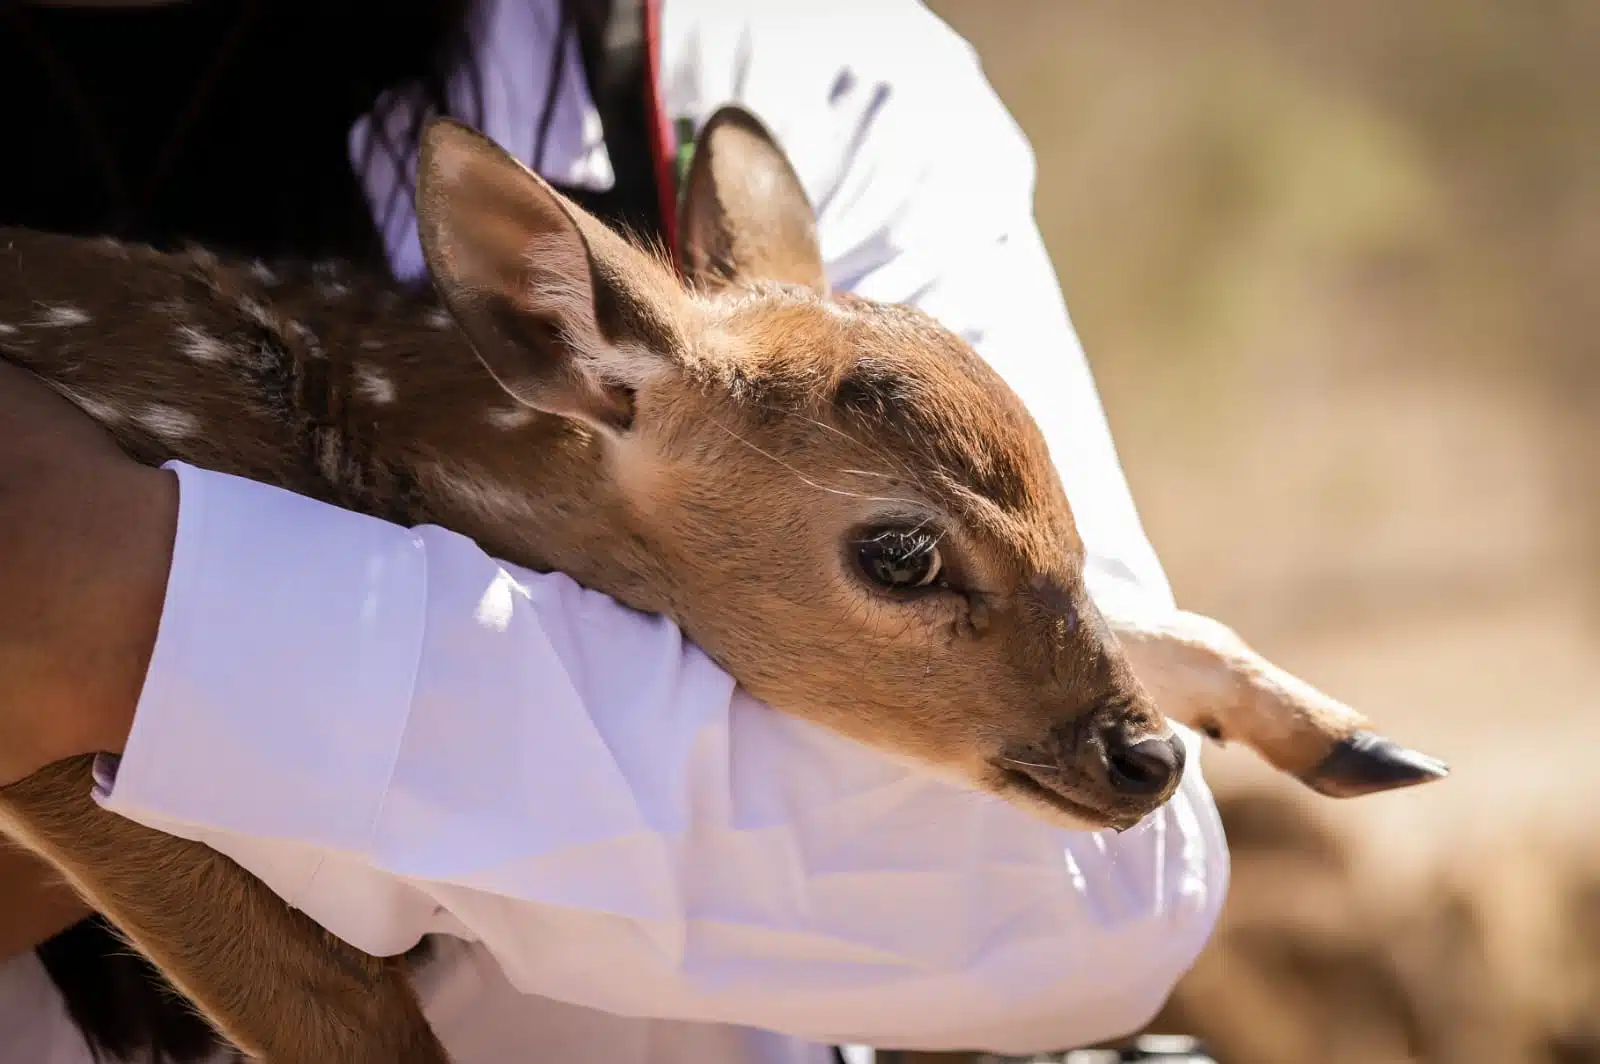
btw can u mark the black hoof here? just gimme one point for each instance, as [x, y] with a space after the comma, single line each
[1366, 764]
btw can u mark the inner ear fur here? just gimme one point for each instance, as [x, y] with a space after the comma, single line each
[564, 313]
[745, 216]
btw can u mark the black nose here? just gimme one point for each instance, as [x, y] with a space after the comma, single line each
[1148, 766]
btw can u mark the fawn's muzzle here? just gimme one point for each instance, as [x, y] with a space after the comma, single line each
[1103, 769]
[1145, 767]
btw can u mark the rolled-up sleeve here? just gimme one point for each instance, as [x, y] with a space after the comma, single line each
[402, 736]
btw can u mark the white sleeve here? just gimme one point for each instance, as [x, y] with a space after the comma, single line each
[401, 736]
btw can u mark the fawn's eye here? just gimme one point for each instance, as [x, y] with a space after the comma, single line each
[901, 559]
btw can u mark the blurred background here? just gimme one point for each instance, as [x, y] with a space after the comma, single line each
[1335, 267]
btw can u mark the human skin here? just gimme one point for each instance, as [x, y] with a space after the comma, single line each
[86, 538]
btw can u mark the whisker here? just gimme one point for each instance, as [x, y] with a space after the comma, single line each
[876, 452]
[807, 480]
[1030, 764]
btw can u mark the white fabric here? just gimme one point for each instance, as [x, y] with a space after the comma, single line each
[449, 745]
[513, 63]
[402, 736]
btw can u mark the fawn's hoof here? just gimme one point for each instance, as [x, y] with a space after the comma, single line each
[1366, 763]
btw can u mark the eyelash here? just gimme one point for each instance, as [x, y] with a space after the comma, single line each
[893, 558]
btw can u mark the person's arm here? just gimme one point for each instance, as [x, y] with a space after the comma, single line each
[402, 736]
[85, 545]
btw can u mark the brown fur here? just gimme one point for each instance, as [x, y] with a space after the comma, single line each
[712, 454]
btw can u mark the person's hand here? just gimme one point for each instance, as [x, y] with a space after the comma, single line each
[86, 537]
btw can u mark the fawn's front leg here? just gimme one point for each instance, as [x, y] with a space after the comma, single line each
[1201, 674]
[276, 984]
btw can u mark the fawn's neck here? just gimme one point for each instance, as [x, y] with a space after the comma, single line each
[347, 389]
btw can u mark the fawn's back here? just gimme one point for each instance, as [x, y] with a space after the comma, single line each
[226, 364]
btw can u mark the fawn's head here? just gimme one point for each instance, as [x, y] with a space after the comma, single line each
[848, 508]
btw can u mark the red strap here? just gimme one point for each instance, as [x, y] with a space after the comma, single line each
[662, 148]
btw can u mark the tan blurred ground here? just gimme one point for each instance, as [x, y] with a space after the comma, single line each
[1336, 269]
[1335, 266]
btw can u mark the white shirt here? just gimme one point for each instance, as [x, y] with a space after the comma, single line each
[635, 861]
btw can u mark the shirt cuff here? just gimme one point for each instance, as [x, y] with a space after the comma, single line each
[277, 607]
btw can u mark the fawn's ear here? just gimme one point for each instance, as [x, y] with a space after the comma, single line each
[564, 313]
[745, 216]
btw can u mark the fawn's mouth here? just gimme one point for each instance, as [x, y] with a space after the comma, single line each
[1020, 783]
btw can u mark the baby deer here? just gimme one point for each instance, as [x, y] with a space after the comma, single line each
[837, 499]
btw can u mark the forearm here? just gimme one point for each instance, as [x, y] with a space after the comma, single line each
[400, 736]
[86, 540]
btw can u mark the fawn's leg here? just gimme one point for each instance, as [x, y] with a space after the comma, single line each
[1201, 674]
[276, 984]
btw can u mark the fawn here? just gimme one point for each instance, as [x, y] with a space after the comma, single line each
[898, 561]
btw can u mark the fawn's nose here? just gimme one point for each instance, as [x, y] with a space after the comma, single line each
[1145, 767]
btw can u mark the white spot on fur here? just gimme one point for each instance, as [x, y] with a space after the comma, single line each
[307, 337]
[374, 385]
[438, 318]
[7, 330]
[490, 499]
[256, 312]
[167, 422]
[202, 346]
[328, 464]
[510, 417]
[263, 273]
[61, 316]
[333, 290]
[103, 412]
